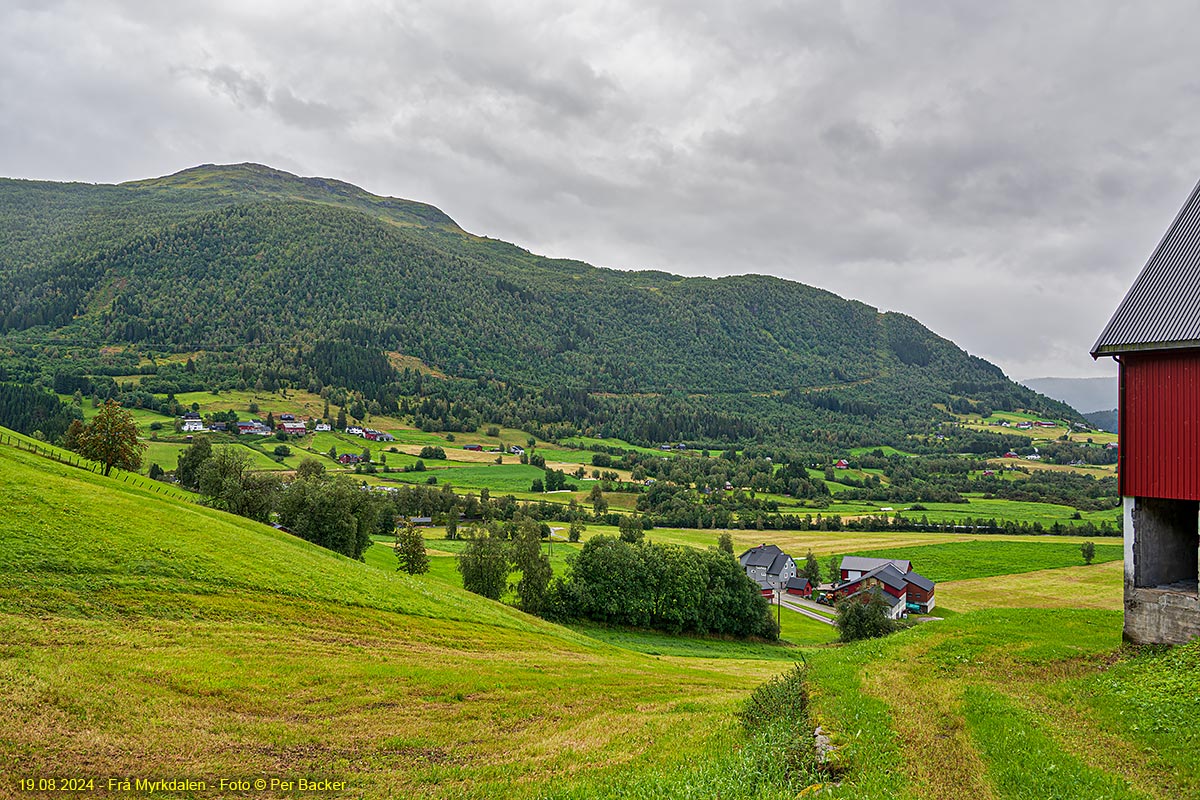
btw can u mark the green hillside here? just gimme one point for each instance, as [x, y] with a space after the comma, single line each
[137, 629]
[146, 637]
[276, 278]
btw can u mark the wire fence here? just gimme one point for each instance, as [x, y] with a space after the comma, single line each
[79, 462]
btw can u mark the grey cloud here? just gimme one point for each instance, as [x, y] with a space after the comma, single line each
[998, 171]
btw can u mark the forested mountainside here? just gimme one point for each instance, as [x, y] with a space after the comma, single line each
[270, 277]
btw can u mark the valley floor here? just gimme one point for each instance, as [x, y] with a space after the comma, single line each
[142, 637]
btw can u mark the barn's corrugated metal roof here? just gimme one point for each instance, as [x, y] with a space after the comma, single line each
[865, 564]
[885, 574]
[1162, 309]
[920, 581]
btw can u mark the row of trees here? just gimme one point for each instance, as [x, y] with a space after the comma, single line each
[330, 511]
[665, 587]
[492, 554]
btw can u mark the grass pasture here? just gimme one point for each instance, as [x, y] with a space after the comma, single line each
[1008, 704]
[1099, 586]
[956, 561]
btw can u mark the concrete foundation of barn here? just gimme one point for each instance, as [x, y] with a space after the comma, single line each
[1162, 552]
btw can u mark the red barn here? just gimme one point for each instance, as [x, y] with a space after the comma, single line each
[1155, 338]
[799, 586]
[920, 592]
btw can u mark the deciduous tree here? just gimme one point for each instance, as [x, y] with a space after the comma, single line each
[410, 550]
[111, 438]
[331, 512]
[227, 483]
[812, 568]
[483, 564]
[533, 564]
[190, 461]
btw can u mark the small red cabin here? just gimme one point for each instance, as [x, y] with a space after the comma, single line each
[1155, 338]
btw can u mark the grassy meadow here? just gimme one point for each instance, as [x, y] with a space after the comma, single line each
[143, 636]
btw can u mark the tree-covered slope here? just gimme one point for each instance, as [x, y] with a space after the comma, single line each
[218, 257]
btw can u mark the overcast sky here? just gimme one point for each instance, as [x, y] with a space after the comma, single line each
[1000, 171]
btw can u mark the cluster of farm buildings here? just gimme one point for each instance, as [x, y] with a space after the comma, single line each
[891, 580]
[288, 424]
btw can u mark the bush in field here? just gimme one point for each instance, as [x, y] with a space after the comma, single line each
[782, 697]
[863, 617]
[631, 529]
[1088, 550]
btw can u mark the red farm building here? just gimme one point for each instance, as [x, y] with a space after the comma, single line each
[1155, 338]
[798, 586]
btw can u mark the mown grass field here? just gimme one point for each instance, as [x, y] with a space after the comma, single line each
[143, 636]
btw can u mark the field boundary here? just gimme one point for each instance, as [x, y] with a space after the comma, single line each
[79, 462]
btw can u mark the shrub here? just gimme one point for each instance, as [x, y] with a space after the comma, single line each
[863, 617]
[784, 697]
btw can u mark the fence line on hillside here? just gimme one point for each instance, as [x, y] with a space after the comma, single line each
[79, 462]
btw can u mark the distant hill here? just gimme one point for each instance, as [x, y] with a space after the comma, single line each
[1083, 394]
[1104, 420]
[310, 281]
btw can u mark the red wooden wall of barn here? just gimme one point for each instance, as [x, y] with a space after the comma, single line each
[1160, 425]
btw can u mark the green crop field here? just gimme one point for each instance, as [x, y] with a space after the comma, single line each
[584, 442]
[1006, 511]
[496, 478]
[956, 561]
[886, 450]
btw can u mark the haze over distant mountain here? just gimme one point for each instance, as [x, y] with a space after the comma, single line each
[311, 280]
[1083, 394]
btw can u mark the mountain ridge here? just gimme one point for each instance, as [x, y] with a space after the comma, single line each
[214, 257]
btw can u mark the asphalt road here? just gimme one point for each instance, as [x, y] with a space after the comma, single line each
[794, 605]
